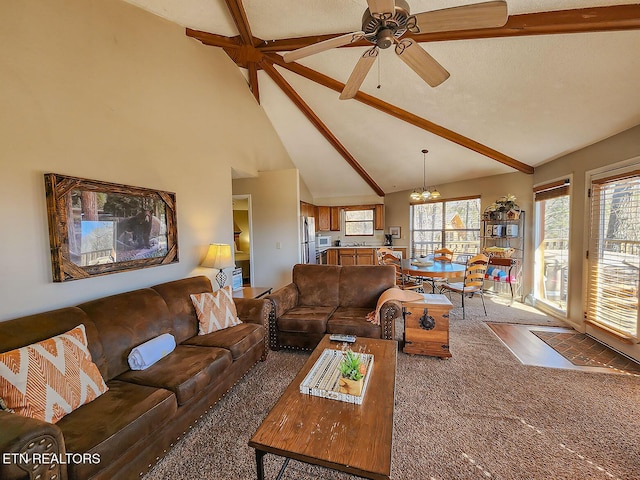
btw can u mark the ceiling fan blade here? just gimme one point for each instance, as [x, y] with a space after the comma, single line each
[382, 8]
[466, 17]
[421, 62]
[359, 73]
[345, 39]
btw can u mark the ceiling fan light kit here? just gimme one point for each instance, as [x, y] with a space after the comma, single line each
[386, 22]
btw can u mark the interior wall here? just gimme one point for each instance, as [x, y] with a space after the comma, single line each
[275, 213]
[489, 189]
[106, 91]
[611, 151]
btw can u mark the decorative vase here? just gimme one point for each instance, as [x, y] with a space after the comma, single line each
[351, 387]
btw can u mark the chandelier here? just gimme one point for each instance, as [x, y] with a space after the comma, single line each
[424, 193]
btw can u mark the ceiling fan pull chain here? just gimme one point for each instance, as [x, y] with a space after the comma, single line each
[379, 82]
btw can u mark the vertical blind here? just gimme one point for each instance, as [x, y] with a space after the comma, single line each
[614, 254]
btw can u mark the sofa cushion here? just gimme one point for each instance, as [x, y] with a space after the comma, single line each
[126, 320]
[186, 371]
[317, 284]
[361, 285]
[238, 340]
[123, 416]
[305, 319]
[352, 321]
[49, 324]
[49, 379]
[215, 310]
[176, 296]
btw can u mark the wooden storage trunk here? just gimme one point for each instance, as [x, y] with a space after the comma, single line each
[426, 326]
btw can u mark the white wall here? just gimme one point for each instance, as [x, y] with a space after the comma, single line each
[106, 91]
[275, 210]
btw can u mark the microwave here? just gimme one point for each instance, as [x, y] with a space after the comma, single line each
[323, 241]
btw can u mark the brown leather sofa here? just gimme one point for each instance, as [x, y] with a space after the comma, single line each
[124, 432]
[331, 299]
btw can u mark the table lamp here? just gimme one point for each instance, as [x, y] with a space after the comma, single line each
[219, 256]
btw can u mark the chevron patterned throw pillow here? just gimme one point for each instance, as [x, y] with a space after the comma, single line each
[216, 311]
[51, 378]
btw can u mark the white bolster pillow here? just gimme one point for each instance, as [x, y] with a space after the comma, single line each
[148, 353]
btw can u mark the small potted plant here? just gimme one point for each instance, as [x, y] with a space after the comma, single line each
[507, 208]
[352, 372]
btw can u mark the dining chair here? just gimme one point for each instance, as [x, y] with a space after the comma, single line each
[443, 255]
[473, 281]
[381, 252]
[401, 279]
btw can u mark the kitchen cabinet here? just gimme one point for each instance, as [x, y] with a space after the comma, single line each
[323, 220]
[347, 256]
[332, 257]
[365, 256]
[334, 219]
[378, 217]
[351, 256]
[307, 209]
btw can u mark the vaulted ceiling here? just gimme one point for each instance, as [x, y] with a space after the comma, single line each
[558, 76]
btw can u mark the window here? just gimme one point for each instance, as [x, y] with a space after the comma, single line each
[454, 224]
[358, 222]
[552, 244]
[614, 254]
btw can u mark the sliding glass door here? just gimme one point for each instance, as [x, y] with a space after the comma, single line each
[614, 254]
[551, 274]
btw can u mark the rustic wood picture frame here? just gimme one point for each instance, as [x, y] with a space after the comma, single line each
[97, 228]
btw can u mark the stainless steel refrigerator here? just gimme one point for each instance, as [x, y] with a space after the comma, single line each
[308, 236]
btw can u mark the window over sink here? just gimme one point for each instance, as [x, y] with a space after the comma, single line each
[358, 222]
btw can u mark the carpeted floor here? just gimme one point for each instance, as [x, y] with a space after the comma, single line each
[480, 414]
[580, 349]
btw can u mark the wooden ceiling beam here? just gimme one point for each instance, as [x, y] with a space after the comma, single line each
[403, 115]
[213, 39]
[240, 19]
[579, 20]
[253, 80]
[320, 126]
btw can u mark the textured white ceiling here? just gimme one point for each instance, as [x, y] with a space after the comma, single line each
[533, 98]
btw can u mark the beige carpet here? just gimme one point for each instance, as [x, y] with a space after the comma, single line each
[478, 415]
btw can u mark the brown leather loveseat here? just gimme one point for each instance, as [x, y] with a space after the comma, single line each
[325, 299]
[123, 432]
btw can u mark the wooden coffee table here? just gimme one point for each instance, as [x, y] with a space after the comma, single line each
[356, 439]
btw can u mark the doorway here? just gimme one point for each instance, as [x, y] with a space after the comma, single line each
[242, 235]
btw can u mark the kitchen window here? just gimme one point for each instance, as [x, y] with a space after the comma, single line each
[358, 222]
[453, 223]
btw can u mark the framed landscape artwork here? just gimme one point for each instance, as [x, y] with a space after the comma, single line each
[394, 232]
[96, 228]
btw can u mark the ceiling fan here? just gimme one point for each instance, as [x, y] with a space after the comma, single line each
[386, 21]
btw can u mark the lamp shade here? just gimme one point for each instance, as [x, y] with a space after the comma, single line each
[218, 256]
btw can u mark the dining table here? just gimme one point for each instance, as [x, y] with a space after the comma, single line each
[416, 267]
[427, 268]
